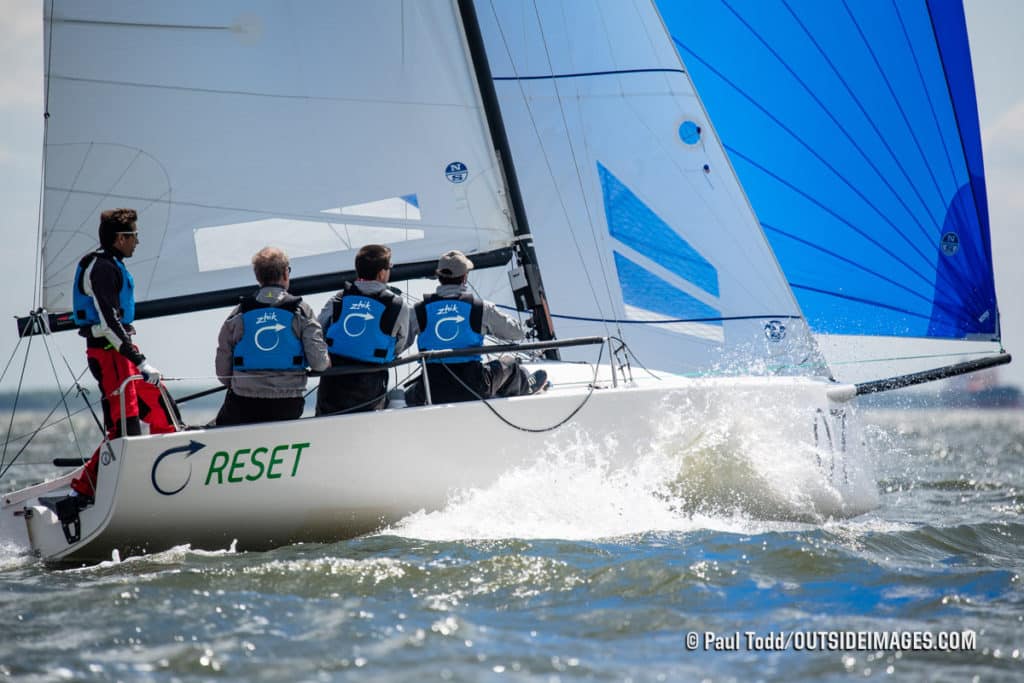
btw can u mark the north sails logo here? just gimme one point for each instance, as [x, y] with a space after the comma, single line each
[456, 172]
[950, 243]
[775, 330]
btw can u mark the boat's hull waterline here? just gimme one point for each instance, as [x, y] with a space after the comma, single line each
[331, 478]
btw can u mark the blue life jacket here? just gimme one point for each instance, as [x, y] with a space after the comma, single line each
[361, 326]
[268, 340]
[450, 324]
[83, 304]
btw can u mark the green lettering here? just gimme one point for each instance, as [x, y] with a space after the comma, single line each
[275, 459]
[235, 464]
[298, 454]
[256, 461]
[215, 468]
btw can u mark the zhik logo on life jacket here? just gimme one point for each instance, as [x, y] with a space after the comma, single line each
[269, 324]
[355, 321]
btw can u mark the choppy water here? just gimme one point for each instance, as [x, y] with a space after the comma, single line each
[579, 574]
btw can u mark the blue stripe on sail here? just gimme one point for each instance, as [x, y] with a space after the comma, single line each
[587, 74]
[643, 289]
[853, 130]
[634, 224]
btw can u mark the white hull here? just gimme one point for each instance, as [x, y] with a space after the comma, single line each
[331, 478]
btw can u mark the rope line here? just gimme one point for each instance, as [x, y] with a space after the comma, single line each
[533, 430]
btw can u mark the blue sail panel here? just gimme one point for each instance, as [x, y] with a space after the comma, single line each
[643, 289]
[634, 224]
[853, 130]
[832, 305]
[951, 36]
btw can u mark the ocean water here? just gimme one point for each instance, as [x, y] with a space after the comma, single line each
[568, 571]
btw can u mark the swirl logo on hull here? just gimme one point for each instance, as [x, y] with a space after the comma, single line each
[175, 468]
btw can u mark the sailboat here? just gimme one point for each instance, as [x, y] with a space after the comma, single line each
[564, 148]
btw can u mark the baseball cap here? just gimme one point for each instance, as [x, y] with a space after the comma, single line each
[453, 264]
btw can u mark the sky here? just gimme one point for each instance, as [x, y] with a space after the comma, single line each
[997, 51]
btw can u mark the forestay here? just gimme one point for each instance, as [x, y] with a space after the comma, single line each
[853, 127]
[314, 126]
[641, 227]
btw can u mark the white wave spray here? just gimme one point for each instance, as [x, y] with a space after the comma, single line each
[729, 464]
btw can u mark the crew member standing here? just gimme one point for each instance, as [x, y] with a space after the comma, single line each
[104, 309]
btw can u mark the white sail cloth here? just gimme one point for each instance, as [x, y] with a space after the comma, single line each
[314, 126]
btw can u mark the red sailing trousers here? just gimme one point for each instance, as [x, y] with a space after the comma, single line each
[141, 401]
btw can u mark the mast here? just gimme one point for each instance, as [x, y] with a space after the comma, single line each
[528, 287]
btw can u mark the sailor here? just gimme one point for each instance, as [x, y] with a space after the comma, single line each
[455, 318]
[103, 297]
[265, 346]
[366, 324]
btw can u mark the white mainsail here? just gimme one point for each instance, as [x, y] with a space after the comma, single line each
[317, 126]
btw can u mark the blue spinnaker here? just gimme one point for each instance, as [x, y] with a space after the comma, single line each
[853, 129]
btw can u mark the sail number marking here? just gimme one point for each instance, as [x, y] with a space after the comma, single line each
[252, 464]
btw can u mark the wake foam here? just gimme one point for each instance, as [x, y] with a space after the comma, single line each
[13, 556]
[730, 464]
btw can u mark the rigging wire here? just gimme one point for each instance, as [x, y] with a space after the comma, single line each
[45, 425]
[13, 354]
[42, 425]
[576, 163]
[37, 282]
[547, 163]
[629, 352]
[39, 324]
[14, 409]
[82, 391]
[534, 430]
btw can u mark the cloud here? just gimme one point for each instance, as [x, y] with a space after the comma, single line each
[21, 53]
[1005, 138]
[1004, 163]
